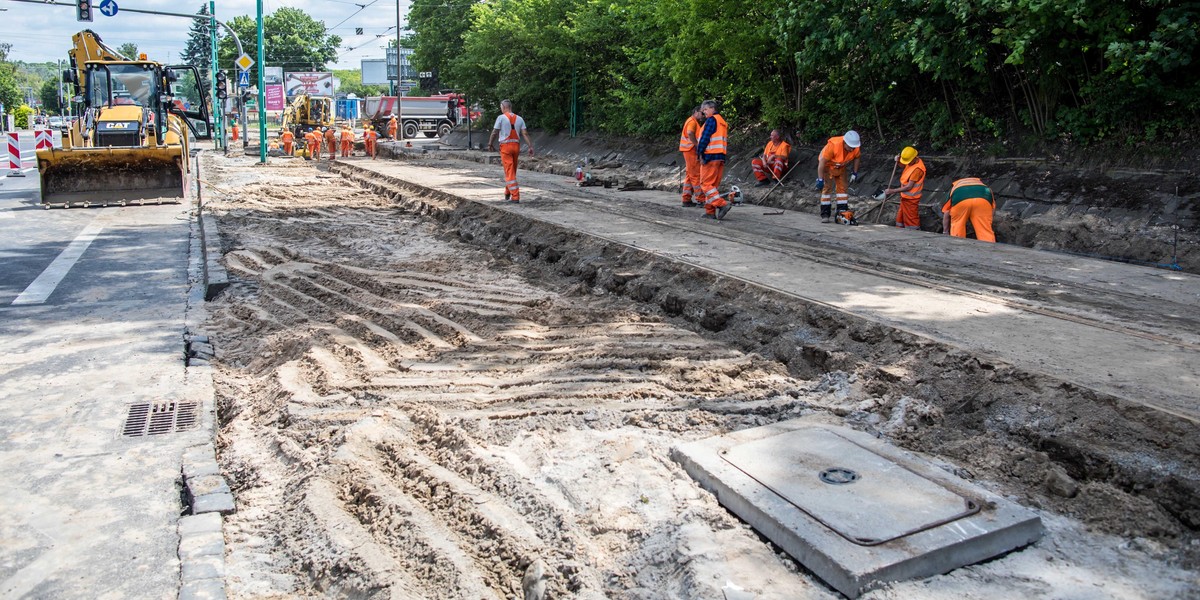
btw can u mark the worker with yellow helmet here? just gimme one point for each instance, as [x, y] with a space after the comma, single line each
[912, 182]
[370, 136]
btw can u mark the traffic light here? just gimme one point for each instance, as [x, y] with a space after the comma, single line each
[83, 10]
[222, 85]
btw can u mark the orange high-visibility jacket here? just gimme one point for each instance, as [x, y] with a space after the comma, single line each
[370, 135]
[287, 137]
[692, 127]
[913, 173]
[970, 187]
[782, 149]
[835, 153]
[716, 143]
[347, 135]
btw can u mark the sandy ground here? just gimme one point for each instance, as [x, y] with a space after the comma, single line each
[403, 414]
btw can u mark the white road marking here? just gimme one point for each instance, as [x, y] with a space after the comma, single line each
[44, 285]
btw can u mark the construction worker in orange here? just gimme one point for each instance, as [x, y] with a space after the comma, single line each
[687, 145]
[509, 126]
[234, 137]
[314, 143]
[347, 140]
[912, 182]
[712, 148]
[331, 140]
[773, 161]
[288, 139]
[370, 136]
[840, 152]
[393, 127]
[970, 200]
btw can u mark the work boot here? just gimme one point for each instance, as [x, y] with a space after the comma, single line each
[825, 216]
[724, 210]
[842, 207]
[687, 203]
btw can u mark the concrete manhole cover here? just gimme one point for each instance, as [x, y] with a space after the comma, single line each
[864, 497]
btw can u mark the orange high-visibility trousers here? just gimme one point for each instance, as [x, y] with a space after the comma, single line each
[691, 177]
[837, 180]
[711, 173]
[976, 210]
[331, 143]
[774, 164]
[314, 149]
[908, 215]
[509, 153]
[369, 145]
[287, 148]
[345, 148]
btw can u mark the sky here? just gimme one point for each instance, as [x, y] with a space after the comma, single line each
[41, 32]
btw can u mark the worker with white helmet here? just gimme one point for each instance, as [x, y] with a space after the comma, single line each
[912, 182]
[839, 153]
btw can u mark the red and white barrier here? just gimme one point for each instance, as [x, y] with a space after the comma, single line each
[14, 154]
[43, 139]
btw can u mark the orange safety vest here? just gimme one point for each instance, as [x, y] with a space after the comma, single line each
[781, 149]
[690, 126]
[347, 135]
[512, 132]
[716, 143]
[370, 135]
[914, 172]
[309, 138]
[835, 153]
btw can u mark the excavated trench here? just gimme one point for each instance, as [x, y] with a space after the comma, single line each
[435, 397]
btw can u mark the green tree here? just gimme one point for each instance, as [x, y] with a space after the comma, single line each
[21, 116]
[128, 50]
[198, 51]
[292, 40]
[10, 94]
[49, 97]
[350, 82]
[438, 28]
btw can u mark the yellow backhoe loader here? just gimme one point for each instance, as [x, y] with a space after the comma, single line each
[307, 111]
[131, 141]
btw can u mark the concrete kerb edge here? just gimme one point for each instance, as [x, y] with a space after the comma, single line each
[202, 570]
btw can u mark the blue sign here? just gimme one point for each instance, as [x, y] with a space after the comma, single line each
[109, 8]
[244, 79]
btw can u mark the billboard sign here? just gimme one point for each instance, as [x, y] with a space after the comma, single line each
[274, 95]
[272, 75]
[313, 84]
[374, 72]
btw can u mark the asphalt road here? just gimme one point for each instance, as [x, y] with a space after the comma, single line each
[92, 316]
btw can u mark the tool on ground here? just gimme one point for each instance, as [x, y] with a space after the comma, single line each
[774, 212]
[845, 217]
[734, 196]
[131, 144]
[777, 185]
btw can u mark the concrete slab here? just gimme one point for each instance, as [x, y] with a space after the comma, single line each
[901, 518]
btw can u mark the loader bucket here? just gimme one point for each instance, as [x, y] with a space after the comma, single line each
[111, 176]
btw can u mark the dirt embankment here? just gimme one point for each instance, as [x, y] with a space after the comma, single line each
[1146, 216]
[423, 397]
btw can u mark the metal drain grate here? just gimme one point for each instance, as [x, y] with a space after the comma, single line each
[157, 418]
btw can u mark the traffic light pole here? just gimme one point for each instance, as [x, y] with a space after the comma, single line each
[218, 104]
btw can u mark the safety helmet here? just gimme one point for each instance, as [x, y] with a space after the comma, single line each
[907, 155]
[851, 139]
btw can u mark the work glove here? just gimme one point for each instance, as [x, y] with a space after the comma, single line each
[820, 184]
[854, 177]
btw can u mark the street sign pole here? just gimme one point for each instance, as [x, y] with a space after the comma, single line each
[262, 93]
